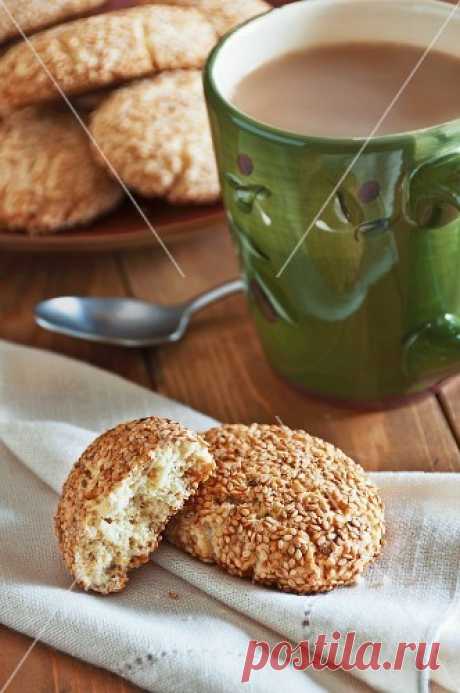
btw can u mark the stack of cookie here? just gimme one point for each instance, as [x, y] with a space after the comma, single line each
[103, 102]
[262, 502]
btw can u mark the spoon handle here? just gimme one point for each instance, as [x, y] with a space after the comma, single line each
[215, 294]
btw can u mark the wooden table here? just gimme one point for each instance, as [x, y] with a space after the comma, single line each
[218, 369]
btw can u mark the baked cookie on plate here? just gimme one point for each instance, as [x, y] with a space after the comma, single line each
[103, 50]
[156, 134]
[33, 15]
[49, 179]
[223, 14]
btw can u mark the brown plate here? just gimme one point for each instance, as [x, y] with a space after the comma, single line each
[124, 228]
[120, 230]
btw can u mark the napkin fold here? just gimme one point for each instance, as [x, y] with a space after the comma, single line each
[183, 625]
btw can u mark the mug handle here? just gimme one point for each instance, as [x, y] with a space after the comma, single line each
[433, 349]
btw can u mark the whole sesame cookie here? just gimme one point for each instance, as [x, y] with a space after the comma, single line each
[120, 494]
[223, 14]
[102, 50]
[284, 509]
[156, 133]
[33, 15]
[48, 177]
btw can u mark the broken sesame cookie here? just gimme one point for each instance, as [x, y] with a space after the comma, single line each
[120, 494]
[48, 177]
[156, 134]
[284, 509]
[103, 50]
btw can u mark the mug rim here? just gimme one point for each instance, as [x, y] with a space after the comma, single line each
[275, 133]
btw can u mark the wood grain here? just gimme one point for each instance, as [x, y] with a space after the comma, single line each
[50, 671]
[449, 398]
[26, 280]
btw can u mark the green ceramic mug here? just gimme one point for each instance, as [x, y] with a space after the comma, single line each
[368, 308]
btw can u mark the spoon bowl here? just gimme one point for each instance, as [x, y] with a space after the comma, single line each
[124, 322]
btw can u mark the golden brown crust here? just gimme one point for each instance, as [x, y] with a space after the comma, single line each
[106, 49]
[48, 177]
[284, 509]
[33, 15]
[113, 458]
[224, 15]
[156, 134]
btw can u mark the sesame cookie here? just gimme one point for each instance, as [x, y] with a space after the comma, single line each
[48, 177]
[120, 494]
[156, 133]
[102, 50]
[284, 509]
[33, 15]
[223, 14]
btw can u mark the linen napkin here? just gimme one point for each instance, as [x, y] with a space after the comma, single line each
[183, 625]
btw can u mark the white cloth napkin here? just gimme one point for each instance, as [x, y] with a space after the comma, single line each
[182, 625]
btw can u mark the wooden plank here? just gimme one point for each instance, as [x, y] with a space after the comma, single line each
[449, 398]
[26, 280]
[48, 670]
[219, 368]
[205, 257]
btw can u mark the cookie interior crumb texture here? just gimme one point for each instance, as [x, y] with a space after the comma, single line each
[120, 495]
[283, 508]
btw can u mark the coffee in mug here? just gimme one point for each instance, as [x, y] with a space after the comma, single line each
[343, 89]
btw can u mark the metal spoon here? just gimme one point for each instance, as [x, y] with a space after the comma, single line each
[124, 321]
